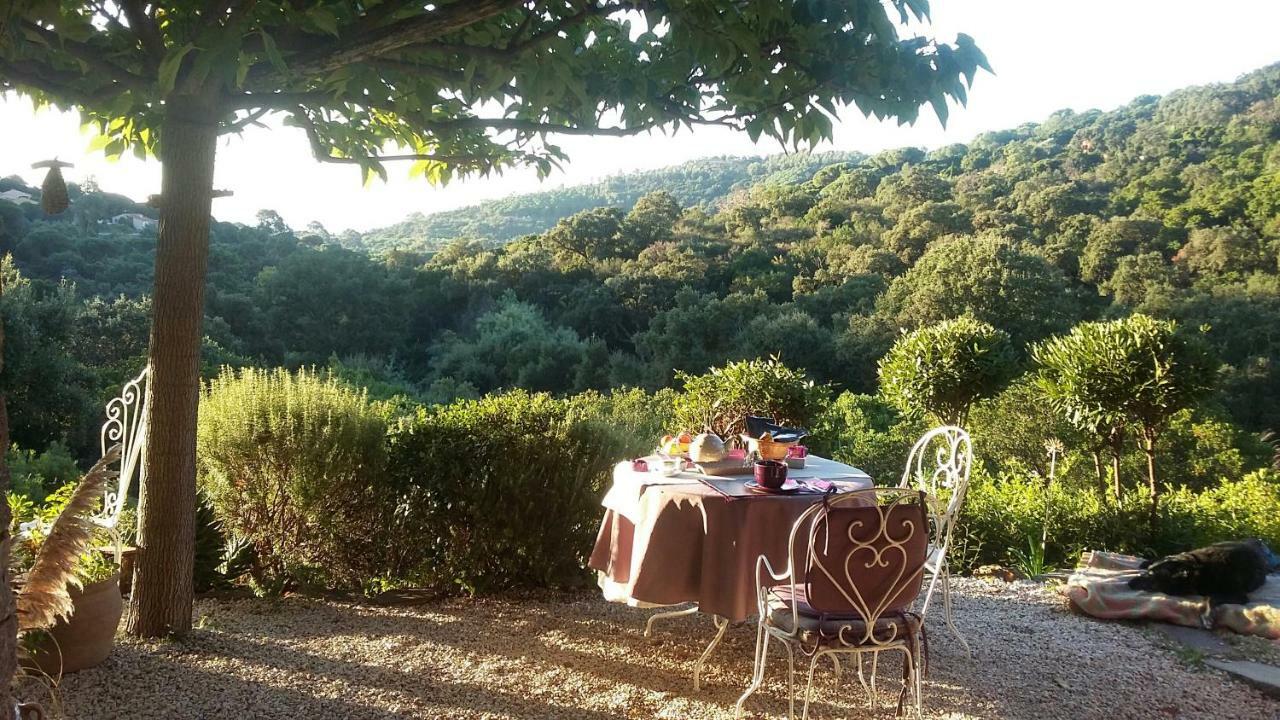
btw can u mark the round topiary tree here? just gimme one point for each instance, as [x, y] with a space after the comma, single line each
[720, 400]
[941, 370]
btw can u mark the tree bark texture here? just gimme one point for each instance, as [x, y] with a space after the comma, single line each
[8, 606]
[1115, 476]
[160, 603]
[1149, 447]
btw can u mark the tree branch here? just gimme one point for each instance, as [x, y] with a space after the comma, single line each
[415, 30]
[445, 77]
[290, 102]
[322, 154]
[144, 26]
[87, 54]
[251, 119]
[517, 47]
[229, 12]
[56, 84]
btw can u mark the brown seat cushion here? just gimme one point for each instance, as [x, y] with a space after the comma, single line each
[893, 624]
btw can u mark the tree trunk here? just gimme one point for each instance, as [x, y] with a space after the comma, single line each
[1149, 447]
[1115, 474]
[8, 607]
[1097, 468]
[160, 603]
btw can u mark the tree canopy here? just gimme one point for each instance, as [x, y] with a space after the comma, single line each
[465, 88]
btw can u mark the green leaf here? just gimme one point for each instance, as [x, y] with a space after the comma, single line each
[940, 107]
[243, 63]
[324, 19]
[273, 53]
[99, 142]
[168, 74]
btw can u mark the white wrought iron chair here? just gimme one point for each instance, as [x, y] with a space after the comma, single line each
[939, 464]
[126, 426]
[855, 567]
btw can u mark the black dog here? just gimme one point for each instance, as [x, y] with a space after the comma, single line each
[1225, 572]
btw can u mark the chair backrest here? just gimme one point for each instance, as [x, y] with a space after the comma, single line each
[862, 554]
[940, 460]
[126, 426]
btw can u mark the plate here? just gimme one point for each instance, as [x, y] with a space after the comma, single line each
[790, 487]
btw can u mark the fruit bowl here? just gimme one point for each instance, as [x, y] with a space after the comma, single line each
[766, 448]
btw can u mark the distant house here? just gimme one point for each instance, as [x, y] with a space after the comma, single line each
[137, 221]
[18, 197]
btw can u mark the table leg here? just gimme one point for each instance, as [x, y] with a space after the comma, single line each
[648, 626]
[722, 624]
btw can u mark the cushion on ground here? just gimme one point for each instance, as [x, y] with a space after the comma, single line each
[1100, 587]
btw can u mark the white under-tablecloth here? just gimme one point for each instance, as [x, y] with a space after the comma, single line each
[628, 485]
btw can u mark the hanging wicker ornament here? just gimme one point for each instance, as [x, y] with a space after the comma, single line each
[53, 191]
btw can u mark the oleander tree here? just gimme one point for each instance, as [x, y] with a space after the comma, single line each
[456, 88]
[1130, 375]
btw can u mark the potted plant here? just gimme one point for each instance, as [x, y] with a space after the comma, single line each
[68, 593]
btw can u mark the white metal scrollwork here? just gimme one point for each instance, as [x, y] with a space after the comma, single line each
[951, 452]
[126, 426]
[952, 455]
[843, 558]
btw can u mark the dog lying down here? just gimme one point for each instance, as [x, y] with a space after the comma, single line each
[1225, 572]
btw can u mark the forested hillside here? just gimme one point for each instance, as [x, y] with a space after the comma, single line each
[701, 182]
[1169, 206]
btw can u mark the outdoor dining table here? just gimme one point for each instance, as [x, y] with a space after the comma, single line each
[696, 539]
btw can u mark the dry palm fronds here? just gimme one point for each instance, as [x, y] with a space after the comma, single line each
[44, 597]
[53, 191]
[1271, 438]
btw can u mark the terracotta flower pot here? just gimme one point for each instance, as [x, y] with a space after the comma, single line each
[86, 638]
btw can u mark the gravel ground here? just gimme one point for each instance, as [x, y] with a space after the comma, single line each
[579, 657]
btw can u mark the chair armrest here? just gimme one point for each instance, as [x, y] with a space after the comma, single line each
[762, 588]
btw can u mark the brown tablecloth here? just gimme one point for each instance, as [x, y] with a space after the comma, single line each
[688, 543]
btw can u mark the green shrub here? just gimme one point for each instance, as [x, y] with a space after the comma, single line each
[1010, 431]
[34, 474]
[1199, 449]
[640, 418]
[1001, 513]
[868, 433]
[720, 400]
[292, 462]
[30, 525]
[939, 371]
[501, 492]
[1249, 507]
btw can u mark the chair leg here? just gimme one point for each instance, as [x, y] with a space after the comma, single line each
[722, 624]
[762, 655]
[928, 594]
[908, 682]
[835, 660]
[648, 626]
[791, 681]
[862, 679]
[875, 668]
[915, 678]
[946, 607]
[808, 688]
[919, 678]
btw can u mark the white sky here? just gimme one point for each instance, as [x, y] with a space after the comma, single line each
[1047, 54]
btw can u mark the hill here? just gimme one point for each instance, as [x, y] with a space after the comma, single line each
[698, 182]
[1168, 206]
